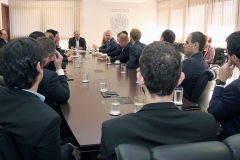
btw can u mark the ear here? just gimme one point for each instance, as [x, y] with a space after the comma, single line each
[140, 79]
[162, 39]
[181, 78]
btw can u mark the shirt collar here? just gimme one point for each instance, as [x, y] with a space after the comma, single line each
[37, 94]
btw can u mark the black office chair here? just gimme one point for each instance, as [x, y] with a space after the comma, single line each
[200, 94]
[220, 57]
[8, 148]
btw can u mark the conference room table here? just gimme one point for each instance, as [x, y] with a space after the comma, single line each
[87, 109]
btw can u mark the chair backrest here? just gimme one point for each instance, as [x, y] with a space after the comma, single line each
[8, 148]
[200, 87]
[229, 149]
[220, 58]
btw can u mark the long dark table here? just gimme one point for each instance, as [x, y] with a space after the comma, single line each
[87, 109]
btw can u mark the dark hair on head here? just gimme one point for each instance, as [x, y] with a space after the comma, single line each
[54, 33]
[136, 34]
[161, 66]
[233, 44]
[36, 34]
[168, 35]
[200, 38]
[48, 46]
[125, 32]
[18, 62]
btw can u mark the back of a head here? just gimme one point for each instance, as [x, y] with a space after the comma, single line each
[48, 46]
[18, 62]
[136, 34]
[160, 65]
[54, 33]
[168, 35]
[36, 34]
[233, 44]
[123, 38]
[125, 32]
[200, 38]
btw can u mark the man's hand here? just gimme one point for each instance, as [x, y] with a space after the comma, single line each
[103, 56]
[70, 58]
[226, 70]
[95, 47]
[76, 152]
[58, 60]
[79, 48]
[69, 52]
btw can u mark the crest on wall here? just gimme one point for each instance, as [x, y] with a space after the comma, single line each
[119, 22]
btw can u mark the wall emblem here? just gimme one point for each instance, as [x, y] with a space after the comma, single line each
[119, 22]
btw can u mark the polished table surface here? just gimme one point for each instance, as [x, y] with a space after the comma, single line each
[87, 109]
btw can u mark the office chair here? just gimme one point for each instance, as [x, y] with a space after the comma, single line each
[201, 91]
[2, 83]
[220, 57]
[8, 148]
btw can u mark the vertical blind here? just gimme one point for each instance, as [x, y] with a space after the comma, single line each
[27, 16]
[216, 18]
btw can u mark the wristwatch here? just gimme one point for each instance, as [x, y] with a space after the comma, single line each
[219, 82]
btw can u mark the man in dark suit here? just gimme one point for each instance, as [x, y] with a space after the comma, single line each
[3, 37]
[159, 122]
[168, 36]
[195, 64]
[111, 44]
[136, 49]
[33, 125]
[225, 101]
[77, 42]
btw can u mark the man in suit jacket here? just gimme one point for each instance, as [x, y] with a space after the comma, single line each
[3, 37]
[225, 101]
[54, 85]
[123, 55]
[110, 45]
[136, 49]
[77, 42]
[33, 125]
[159, 122]
[195, 64]
[168, 36]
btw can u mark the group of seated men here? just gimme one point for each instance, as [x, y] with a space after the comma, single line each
[24, 65]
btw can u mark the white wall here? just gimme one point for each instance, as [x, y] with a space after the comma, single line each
[96, 17]
[4, 2]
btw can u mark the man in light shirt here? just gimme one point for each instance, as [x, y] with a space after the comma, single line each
[77, 41]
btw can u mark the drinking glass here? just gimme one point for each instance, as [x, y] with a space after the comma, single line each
[115, 106]
[138, 103]
[103, 84]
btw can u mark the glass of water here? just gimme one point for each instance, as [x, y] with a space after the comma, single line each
[178, 95]
[85, 77]
[138, 103]
[123, 68]
[103, 84]
[77, 62]
[115, 106]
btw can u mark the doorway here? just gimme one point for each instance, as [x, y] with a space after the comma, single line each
[5, 19]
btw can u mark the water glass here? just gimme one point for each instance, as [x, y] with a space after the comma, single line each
[115, 105]
[85, 77]
[138, 103]
[108, 60]
[103, 84]
[123, 68]
[77, 62]
[178, 95]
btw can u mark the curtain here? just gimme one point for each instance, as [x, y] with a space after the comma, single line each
[27, 16]
[216, 18]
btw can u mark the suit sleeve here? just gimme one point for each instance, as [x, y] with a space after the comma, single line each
[225, 103]
[133, 58]
[83, 44]
[58, 88]
[48, 145]
[70, 43]
[123, 57]
[186, 70]
[115, 53]
[111, 46]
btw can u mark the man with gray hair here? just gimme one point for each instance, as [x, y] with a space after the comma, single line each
[3, 37]
[77, 41]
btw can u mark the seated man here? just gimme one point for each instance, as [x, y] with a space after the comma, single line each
[195, 64]
[124, 52]
[110, 45]
[225, 102]
[159, 122]
[136, 49]
[77, 42]
[168, 36]
[3, 37]
[33, 125]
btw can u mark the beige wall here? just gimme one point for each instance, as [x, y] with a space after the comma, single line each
[4, 2]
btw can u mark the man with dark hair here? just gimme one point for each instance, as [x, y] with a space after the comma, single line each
[3, 37]
[125, 32]
[168, 36]
[225, 102]
[195, 64]
[33, 125]
[36, 34]
[136, 48]
[77, 41]
[159, 122]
